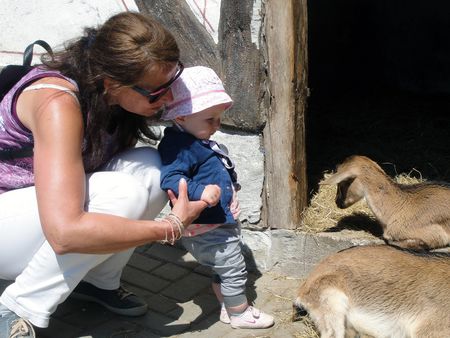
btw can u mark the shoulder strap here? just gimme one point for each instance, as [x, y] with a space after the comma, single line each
[9, 76]
[17, 153]
[51, 86]
[28, 53]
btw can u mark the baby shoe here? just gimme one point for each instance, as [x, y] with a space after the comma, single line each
[252, 318]
[224, 318]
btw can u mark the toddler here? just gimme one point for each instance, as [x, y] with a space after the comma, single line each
[187, 152]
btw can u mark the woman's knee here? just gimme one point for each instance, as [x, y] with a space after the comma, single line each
[144, 165]
[116, 193]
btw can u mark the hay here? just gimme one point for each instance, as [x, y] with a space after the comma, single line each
[310, 330]
[323, 215]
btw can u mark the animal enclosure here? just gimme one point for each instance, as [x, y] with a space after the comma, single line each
[379, 77]
[327, 80]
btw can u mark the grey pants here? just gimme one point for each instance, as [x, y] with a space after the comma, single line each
[220, 249]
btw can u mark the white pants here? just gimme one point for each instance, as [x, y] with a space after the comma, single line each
[128, 186]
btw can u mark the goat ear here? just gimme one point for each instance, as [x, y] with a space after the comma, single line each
[337, 178]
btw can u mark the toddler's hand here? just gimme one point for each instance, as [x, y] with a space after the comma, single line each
[186, 210]
[235, 208]
[211, 194]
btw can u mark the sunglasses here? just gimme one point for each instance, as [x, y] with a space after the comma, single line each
[161, 90]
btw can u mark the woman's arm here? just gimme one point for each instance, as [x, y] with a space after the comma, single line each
[56, 122]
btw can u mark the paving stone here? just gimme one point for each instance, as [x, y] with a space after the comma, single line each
[60, 329]
[123, 329]
[209, 327]
[204, 270]
[90, 316]
[190, 312]
[247, 333]
[171, 254]
[143, 248]
[161, 324]
[70, 305]
[186, 288]
[140, 292]
[164, 305]
[197, 309]
[143, 280]
[143, 263]
[208, 303]
[170, 271]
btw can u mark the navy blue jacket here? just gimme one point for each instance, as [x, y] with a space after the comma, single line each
[184, 156]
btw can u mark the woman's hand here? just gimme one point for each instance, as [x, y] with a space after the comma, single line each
[186, 210]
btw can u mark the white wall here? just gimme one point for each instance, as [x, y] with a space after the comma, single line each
[54, 21]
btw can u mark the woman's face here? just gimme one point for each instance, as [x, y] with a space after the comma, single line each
[135, 102]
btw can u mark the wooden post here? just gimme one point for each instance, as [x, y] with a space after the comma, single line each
[284, 134]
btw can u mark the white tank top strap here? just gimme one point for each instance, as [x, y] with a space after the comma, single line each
[51, 86]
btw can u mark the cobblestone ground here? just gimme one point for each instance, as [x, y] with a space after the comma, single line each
[181, 303]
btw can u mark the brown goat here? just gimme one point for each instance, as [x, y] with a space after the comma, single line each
[381, 291]
[415, 216]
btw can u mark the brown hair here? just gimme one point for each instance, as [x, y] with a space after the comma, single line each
[123, 49]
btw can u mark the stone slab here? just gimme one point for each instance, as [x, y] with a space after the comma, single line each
[294, 253]
[186, 288]
[144, 280]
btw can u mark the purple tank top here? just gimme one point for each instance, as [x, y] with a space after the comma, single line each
[18, 173]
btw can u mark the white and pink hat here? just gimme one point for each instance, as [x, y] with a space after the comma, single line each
[198, 88]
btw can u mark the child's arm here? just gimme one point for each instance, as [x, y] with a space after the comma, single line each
[235, 208]
[179, 161]
[175, 169]
[171, 175]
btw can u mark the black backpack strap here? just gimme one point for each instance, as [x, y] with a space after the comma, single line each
[9, 76]
[28, 53]
[16, 153]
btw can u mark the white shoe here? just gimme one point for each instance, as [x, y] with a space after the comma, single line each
[11, 325]
[224, 318]
[252, 318]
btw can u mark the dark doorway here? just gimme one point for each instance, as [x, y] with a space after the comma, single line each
[379, 75]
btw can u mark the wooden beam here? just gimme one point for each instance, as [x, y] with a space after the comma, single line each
[284, 134]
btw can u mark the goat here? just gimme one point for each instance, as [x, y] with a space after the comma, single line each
[415, 216]
[378, 290]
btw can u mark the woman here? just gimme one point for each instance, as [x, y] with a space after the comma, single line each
[77, 208]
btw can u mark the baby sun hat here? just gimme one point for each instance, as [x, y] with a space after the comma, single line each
[198, 88]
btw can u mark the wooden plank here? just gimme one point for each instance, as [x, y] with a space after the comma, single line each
[284, 135]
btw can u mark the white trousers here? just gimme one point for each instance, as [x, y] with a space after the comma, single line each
[128, 186]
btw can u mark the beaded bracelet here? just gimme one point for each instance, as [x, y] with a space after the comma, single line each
[166, 239]
[174, 221]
